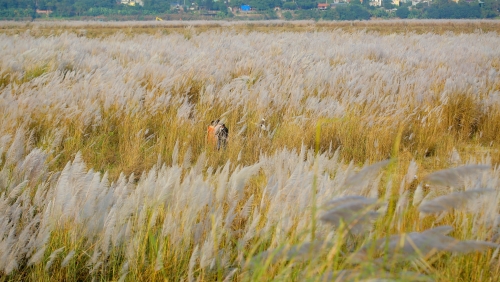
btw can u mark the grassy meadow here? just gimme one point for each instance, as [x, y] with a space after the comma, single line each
[358, 151]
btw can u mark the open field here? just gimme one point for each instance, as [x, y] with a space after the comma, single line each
[378, 156]
[102, 29]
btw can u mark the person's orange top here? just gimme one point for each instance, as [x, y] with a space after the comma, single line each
[211, 134]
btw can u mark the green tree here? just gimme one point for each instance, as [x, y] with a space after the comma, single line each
[308, 15]
[158, 6]
[270, 14]
[290, 6]
[287, 15]
[307, 4]
[330, 14]
[208, 4]
[387, 4]
[19, 4]
[379, 13]
[237, 3]
[352, 12]
[490, 8]
[402, 12]
[261, 5]
[416, 14]
[220, 6]
[444, 9]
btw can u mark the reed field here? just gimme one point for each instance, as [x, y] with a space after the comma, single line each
[357, 151]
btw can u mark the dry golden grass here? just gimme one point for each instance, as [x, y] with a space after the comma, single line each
[100, 29]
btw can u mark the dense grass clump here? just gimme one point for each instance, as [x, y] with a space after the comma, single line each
[352, 154]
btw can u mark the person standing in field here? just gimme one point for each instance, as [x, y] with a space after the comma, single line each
[222, 134]
[211, 137]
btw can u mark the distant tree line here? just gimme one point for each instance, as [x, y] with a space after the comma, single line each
[71, 8]
[438, 9]
[443, 9]
[293, 9]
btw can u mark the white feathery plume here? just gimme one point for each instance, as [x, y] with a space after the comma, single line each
[159, 257]
[124, 271]
[17, 190]
[454, 177]
[355, 211]
[239, 178]
[250, 230]
[247, 207]
[4, 177]
[355, 182]
[402, 186]
[300, 252]
[206, 253]
[418, 195]
[242, 130]
[67, 259]
[416, 244]
[494, 255]
[229, 276]
[16, 149]
[95, 256]
[109, 226]
[192, 263]
[3, 142]
[230, 217]
[345, 200]
[33, 165]
[401, 205]
[455, 157]
[187, 158]
[28, 233]
[373, 187]
[450, 201]
[52, 257]
[175, 153]
[35, 259]
[31, 141]
[412, 171]
[222, 183]
[12, 264]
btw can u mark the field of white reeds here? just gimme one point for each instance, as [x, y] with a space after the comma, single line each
[352, 154]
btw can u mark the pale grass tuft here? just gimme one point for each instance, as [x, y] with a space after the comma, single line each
[35, 259]
[355, 211]
[422, 244]
[230, 275]
[418, 196]
[411, 174]
[124, 270]
[455, 176]
[455, 157]
[355, 182]
[192, 263]
[450, 201]
[160, 258]
[68, 258]
[52, 257]
[16, 150]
